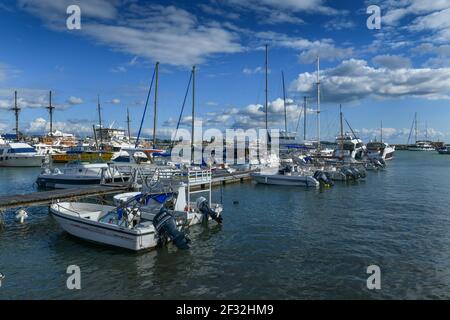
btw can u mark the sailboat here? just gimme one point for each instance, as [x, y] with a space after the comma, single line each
[420, 145]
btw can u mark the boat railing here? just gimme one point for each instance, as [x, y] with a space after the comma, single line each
[199, 177]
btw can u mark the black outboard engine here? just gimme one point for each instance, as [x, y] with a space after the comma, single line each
[348, 173]
[323, 178]
[166, 226]
[203, 207]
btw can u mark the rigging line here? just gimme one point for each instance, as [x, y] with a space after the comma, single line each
[182, 107]
[299, 118]
[145, 109]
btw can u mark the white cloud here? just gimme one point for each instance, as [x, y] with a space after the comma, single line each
[74, 100]
[160, 33]
[41, 126]
[391, 61]
[115, 101]
[354, 80]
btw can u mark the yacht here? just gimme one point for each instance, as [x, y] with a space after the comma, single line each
[19, 154]
[377, 150]
[421, 146]
[349, 148]
[290, 175]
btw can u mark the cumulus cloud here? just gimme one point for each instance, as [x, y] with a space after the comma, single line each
[40, 126]
[115, 101]
[354, 80]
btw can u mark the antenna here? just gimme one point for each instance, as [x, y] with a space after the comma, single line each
[16, 110]
[50, 110]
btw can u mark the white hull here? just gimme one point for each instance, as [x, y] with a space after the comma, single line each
[421, 149]
[14, 161]
[285, 180]
[103, 233]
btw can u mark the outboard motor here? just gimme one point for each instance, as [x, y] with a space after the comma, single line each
[348, 173]
[203, 207]
[166, 227]
[323, 178]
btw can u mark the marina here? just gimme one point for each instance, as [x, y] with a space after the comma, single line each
[214, 152]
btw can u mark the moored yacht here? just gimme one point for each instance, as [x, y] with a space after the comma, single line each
[349, 147]
[377, 150]
[19, 154]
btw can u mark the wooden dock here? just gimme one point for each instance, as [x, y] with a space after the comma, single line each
[47, 197]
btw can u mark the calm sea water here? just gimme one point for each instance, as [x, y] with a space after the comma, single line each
[276, 242]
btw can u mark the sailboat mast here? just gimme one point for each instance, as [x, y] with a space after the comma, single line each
[128, 125]
[267, 103]
[100, 121]
[426, 131]
[341, 144]
[304, 118]
[415, 124]
[318, 103]
[50, 110]
[154, 109]
[16, 110]
[381, 131]
[284, 100]
[193, 114]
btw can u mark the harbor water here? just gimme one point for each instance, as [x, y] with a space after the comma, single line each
[275, 243]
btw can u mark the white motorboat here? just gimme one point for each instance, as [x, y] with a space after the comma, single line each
[79, 175]
[379, 150]
[135, 224]
[444, 149]
[288, 176]
[19, 154]
[349, 148]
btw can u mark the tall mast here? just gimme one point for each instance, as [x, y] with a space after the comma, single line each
[341, 144]
[154, 109]
[128, 125]
[50, 110]
[193, 114]
[100, 121]
[415, 124]
[304, 118]
[381, 131]
[426, 130]
[267, 101]
[318, 102]
[284, 100]
[16, 110]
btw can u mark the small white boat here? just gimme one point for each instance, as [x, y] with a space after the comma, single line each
[285, 177]
[380, 150]
[19, 154]
[136, 224]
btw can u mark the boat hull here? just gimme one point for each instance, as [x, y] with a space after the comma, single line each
[34, 161]
[275, 179]
[105, 234]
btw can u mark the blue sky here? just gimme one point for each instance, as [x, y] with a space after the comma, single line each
[385, 74]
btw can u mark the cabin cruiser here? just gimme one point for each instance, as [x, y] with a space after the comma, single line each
[349, 148]
[19, 154]
[421, 146]
[379, 150]
[141, 221]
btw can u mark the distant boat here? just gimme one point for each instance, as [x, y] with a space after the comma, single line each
[19, 154]
[288, 176]
[444, 150]
[421, 146]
